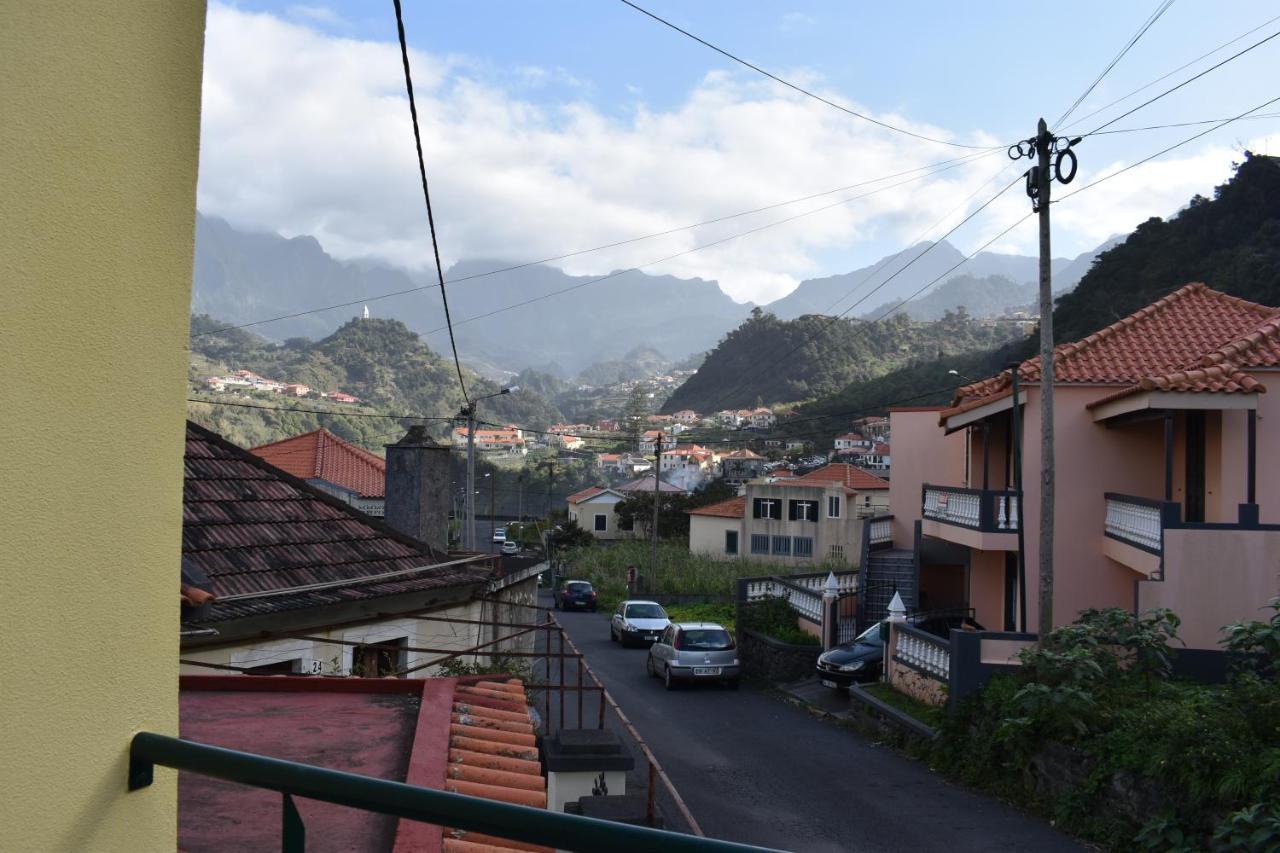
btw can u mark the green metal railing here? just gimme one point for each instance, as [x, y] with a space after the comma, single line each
[458, 811]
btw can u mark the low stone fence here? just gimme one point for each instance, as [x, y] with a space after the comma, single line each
[764, 658]
[918, 663]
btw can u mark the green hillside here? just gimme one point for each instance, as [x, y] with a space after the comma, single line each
[774, 360]
[380, 361]
[1230, 242]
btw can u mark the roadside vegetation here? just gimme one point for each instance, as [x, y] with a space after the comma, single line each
[1095, 732]
[679, 572]
[775, 618]
[722, 613]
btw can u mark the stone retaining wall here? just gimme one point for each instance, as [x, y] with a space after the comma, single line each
[764, 658]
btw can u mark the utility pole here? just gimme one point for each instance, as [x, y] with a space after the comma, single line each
[520, 498]
[493, 518]
[469, 410]
[1044, 146]
[657, 495]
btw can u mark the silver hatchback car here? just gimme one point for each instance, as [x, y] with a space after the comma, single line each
[694, 651]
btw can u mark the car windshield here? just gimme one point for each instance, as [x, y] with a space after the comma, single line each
[578, 586]
[645, 611]
[704, 640]
[871, 636]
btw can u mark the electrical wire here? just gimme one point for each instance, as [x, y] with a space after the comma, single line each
[1155, 16]
[1169, 74]
[938, 167]
[426, 194]
[800, 89]
[1191, 79]
[1182, 124]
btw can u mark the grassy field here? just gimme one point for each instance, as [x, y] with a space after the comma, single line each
[679, 572]
[909, 705]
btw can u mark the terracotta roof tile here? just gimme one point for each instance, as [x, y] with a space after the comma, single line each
[732, 508]
[847, 475]
[321, 454]
[589, 492]
[1194, 339]
[249, 527]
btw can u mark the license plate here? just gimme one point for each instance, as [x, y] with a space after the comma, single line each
[653, 637]
[826, 683]
[706, 670]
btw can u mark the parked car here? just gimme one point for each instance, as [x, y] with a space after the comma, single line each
[692, 652]
[511, 547]
[862, 660]
[637, 622]
[499, 535]
[575, 595]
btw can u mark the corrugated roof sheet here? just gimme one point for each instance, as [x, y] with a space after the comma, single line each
[321, 454]
[252, 528]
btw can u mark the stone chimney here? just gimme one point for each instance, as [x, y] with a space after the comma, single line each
[417, 487]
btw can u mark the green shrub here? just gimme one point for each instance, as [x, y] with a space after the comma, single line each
[775, 618]
[723, 613]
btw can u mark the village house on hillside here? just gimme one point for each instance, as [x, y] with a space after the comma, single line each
[342, 469]
[1162, 429]
[738, 466]
[509, 440]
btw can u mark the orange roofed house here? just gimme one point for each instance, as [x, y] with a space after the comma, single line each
[1162, 426]
[342, 469]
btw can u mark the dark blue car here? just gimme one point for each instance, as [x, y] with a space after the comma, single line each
[575, 595]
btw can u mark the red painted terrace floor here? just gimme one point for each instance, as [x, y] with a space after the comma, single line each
[469, 735]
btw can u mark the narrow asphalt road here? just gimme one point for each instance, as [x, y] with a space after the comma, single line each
[755, 769]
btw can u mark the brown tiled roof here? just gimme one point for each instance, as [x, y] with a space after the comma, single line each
[742, 454]
[850, 476]
[645, 484]
[589, 492]
[321, 454]
[732, 508]
[1194, 339]
[249, 527]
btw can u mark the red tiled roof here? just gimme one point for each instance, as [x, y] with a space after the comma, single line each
[1194, 339]
[589, 492]
[732, 508]
[249, 527]
[742, 454]
[847, 475]
[321, 454]
[645, 484]
[470, 735]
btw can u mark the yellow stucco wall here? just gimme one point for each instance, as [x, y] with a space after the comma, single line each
[99, 130]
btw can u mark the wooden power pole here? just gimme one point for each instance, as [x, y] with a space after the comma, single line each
[657, 496]
[1044, 142]
[1052, 154]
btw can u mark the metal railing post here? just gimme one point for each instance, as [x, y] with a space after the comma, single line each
[293, 834]
[546, 691]
[579, 692]
[560, 664]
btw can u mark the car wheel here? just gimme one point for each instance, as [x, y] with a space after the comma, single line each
[648, 666]
[613, 638]
[666, 679]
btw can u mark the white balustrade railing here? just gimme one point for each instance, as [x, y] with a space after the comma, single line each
[845, 582]
[1136, 523]
[961, 508]
[807, 604]
[1007, 511]
[881, 531]
[932, 656]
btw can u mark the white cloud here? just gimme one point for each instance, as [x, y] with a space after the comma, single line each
[308, 133]
[319, 14]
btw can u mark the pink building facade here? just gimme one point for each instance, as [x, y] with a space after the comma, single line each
[1166, 449]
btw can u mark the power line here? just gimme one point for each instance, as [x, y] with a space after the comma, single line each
[317, 411]
[1155, 16]
[1182, 124]
[1169, 74]
[962, 160]
[800, 89]
[1173, 89]
[703, 246]
[426, 194]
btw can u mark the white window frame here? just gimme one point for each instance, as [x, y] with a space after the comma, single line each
[833, 500]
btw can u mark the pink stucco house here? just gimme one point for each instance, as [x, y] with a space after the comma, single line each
[1166, 461]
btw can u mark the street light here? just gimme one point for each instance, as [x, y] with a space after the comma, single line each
[469, 413]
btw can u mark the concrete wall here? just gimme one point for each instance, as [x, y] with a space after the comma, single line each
[586, 511]
[706, 536]
[1213, 578]
[922, 455]
[100, 110]
[844, 532]
[335, 658]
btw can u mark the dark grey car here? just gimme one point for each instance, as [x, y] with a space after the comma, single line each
[694, 651]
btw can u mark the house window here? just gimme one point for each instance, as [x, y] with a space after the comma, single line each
[626, 524]
[782, 545]
[766, 508]
[731, 541]
[833, 506]
[602, 522]
[380, 659]
[802, 546]
[759, 543]
[803, 511]
[837, 553]
[280, 667]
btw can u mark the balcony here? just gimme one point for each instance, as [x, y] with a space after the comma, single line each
[987, 519]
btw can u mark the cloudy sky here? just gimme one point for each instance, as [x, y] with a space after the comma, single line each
[558, 126]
